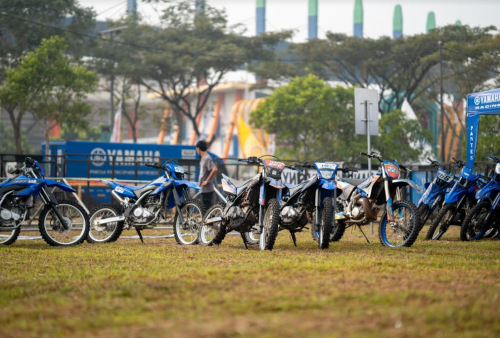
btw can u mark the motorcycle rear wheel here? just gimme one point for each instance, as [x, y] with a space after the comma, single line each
[109, 232]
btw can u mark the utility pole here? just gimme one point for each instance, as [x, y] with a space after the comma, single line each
[111, 33]
[443, 137]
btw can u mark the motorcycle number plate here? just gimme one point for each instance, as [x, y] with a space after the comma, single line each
[445, 177]
[275, 164]
[119, 189]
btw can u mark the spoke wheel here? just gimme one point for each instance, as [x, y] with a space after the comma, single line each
[326, 226]
[403, 230]
[9, 236]
[441, 223]
[192, 214]
[271, 225]
[209, 231]
[108, 232]
[474, 225]
[251, 238]
[76, 219]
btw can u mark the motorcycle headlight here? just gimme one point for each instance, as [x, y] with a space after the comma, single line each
[326, 173]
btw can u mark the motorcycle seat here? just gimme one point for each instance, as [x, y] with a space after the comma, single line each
[240, 184]
[293, 188]
[143, 189]
[353, 181]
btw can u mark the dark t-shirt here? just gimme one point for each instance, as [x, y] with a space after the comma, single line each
[206, 166]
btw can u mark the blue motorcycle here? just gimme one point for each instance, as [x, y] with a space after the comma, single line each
[433, 197]
[458, 202]
[317, 197]
[143, 206]
[61, 223]
[485, 216]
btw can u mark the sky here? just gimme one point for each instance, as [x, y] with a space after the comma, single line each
[334, 15]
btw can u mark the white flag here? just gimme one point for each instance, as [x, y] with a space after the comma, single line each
[116, 134]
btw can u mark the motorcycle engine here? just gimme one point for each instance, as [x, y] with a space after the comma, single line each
[240, 216]
[355, 211]
[12, 212]
[146, 213]
[290, 214]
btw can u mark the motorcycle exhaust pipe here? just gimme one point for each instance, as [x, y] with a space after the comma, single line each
[367, 207]
[118, 198]
[110, 220]
[213, 220]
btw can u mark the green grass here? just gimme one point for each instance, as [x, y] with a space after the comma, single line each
[129, 289]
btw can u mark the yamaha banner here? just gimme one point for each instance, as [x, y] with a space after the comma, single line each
[485, 103]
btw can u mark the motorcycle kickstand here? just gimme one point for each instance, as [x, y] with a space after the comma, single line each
[294, 239]
[367, 239]
[140, 235]
[244, 240]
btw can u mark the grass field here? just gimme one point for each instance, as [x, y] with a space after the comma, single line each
[160, 289]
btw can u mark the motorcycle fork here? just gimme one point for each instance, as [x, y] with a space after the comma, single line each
[318, 210]
[50, 200]
[178, 205]
[388, 198]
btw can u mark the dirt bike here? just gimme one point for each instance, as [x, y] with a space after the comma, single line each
[484, 219]
[255, 201]
[435, 191]
[458, 202]
[142, 206]
[61, 223]
[317, 197]
[362, 201]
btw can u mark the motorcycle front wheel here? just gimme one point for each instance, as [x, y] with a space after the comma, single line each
[76, 219]
[326, 226]
[474, 225]
[441, 222]
[271, 225]
[192, 213]
[403, 229]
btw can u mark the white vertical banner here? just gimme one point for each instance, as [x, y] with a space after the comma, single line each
[116, 134]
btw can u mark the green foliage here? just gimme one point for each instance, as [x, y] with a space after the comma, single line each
[192, 52]
[401, 138]
[8, 144]
[47, 85]
[313, 120]
[310, 119]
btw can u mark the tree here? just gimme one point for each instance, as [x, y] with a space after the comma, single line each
[24, 24]
[314, 120]
[401, 138]
[190, 54]
[50, 87]
[8, 144]
[311, 120]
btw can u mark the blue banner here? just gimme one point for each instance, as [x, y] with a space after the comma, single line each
[485, 103]
[121, 160]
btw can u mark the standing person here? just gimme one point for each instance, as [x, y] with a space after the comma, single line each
[207, 173]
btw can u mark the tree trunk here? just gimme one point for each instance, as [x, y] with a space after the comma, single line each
[16, 127]
[47, 147]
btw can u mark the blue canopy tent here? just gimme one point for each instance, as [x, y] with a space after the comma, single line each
[485, 103]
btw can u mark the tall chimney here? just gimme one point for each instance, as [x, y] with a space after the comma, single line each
[431, 22]
[261, 17]
[358, 18]
[397, 28]
[313, 19]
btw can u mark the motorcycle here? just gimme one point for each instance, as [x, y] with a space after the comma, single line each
[61, 223]
[362, 200]
[142, 206]
[458, 202]
[433, 197]
[255, 201]
[484, 218]
[316, 196]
